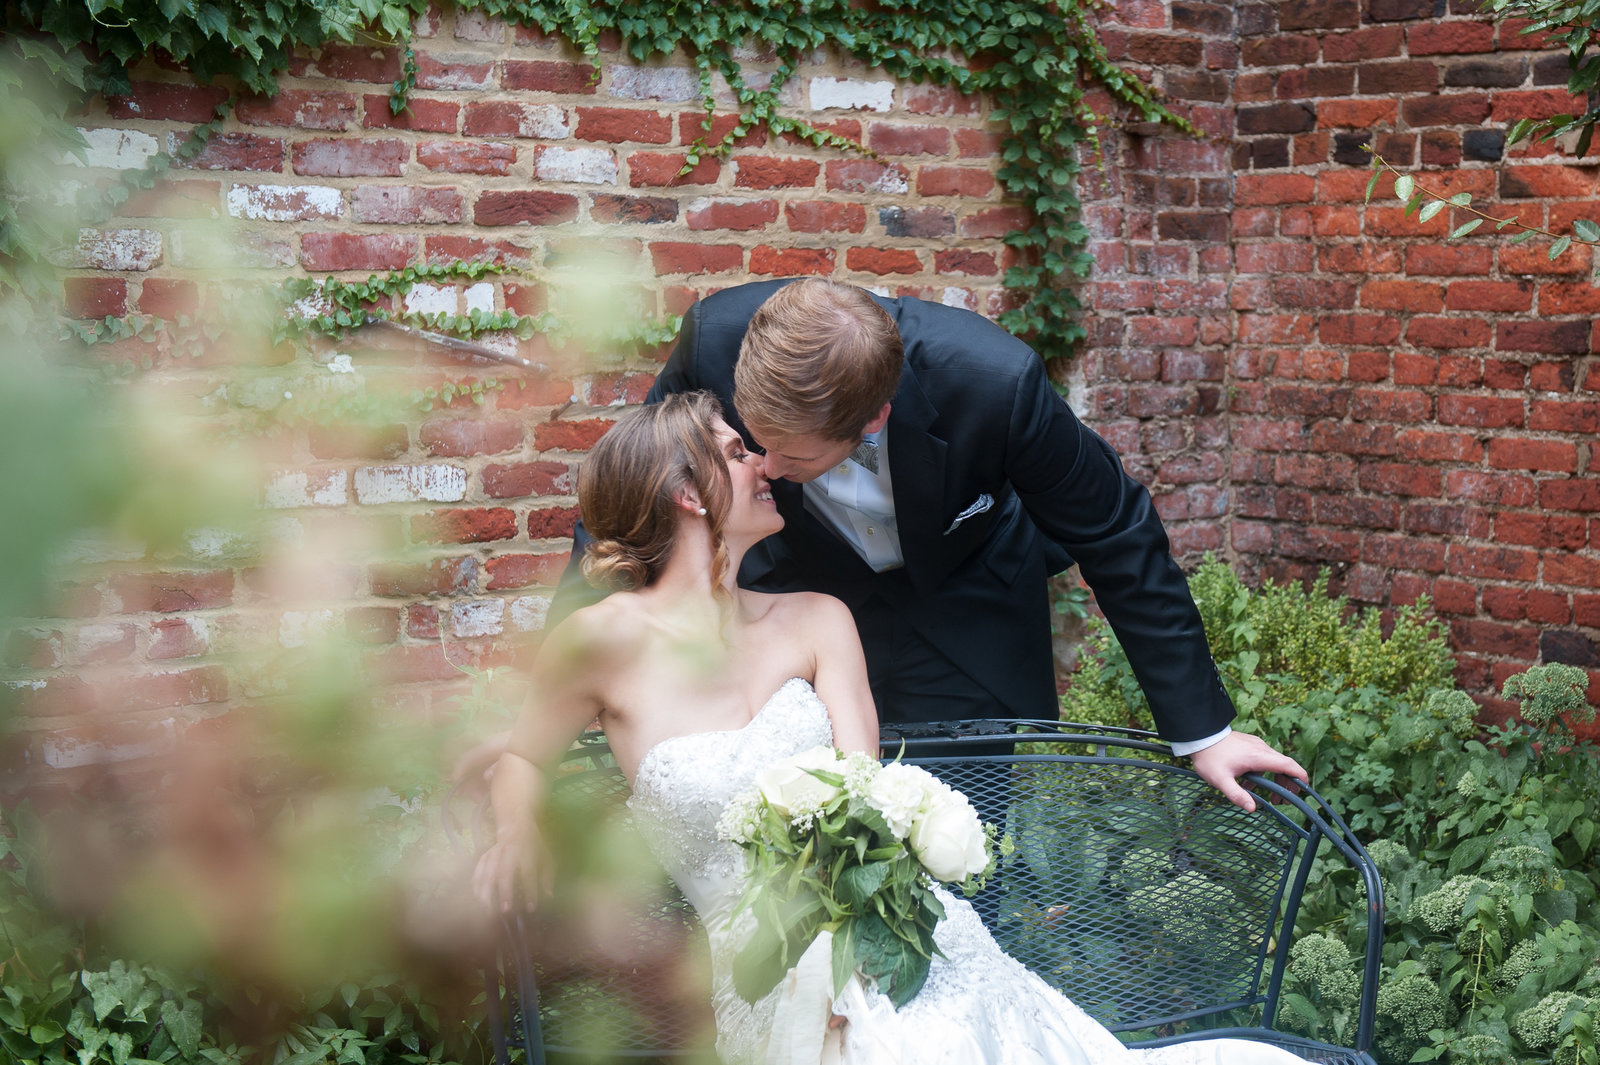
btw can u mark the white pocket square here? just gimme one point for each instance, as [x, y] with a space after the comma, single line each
[977, 506]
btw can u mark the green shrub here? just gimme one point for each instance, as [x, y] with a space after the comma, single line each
[1273, 647]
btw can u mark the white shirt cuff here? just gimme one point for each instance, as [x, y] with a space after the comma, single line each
[1188, 747]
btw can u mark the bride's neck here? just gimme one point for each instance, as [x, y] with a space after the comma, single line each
[689, 579]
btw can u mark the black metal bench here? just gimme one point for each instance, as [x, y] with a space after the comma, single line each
[1136, 889]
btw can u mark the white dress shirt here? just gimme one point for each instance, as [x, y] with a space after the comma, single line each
[858, 505]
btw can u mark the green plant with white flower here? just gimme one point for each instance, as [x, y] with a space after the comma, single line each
[837, 843]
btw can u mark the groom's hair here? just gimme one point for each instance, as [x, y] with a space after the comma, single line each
[819, 359]
[631, 489]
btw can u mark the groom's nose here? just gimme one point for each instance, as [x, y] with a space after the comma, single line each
[773, 467]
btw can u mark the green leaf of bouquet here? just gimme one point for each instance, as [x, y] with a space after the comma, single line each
[759, 965]
[844, 954]
[857, 884]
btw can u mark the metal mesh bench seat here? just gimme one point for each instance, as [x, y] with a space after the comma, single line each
[1134, 888]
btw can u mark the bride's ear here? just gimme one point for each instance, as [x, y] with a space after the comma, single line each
[689, 500]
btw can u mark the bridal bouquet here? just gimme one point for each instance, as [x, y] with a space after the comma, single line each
[839, 843]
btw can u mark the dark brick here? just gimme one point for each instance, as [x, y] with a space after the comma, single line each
[1257, 19]
[1551, 69]
[1269, 153]
[1351, 148]
[1190, 16]
[917, 221]
[1488, 145]
[1411, 77]
[1497, 73]
[1277, 118]
[1161, 50]
[1192, 226]
[1400, 10]
[1319, 15]
[1569, 647]
[1197, 85]
[609, 207]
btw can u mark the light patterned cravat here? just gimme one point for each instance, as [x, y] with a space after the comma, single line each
[866, 454]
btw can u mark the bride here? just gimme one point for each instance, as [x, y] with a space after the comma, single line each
[700, 684]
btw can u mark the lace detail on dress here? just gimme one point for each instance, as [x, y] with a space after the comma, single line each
[978, 1007]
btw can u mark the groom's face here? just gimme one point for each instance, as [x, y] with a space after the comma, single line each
[803, 458]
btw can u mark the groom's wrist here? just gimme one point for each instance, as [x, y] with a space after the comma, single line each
[1188, 748]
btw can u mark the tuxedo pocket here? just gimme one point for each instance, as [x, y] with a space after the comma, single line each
[983, 503]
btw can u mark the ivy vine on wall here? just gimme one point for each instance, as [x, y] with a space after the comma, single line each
[1035, 59]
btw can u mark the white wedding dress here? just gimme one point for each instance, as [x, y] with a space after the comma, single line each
[978, 1007]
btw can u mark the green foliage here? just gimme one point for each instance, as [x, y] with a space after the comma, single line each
[1273, 647]
[1485, 839]
[1033, 59]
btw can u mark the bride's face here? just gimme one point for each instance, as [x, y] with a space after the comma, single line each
[752, 513]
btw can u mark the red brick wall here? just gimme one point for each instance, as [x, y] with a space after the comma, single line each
[1306, 380]
[1303, 380]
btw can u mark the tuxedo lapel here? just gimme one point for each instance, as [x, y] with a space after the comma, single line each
[917, 468]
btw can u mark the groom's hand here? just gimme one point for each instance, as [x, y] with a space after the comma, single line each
[1224, 762]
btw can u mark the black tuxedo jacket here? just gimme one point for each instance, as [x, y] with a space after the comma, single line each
[997, 485]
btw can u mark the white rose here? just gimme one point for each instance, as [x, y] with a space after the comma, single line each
[948, 839]
[900, 793]
[792, 791]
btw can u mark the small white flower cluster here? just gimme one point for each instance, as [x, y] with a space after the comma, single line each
[938, 823]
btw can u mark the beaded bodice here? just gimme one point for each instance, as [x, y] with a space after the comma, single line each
[684, 782]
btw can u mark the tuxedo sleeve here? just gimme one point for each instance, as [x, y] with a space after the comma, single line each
[1074, 488]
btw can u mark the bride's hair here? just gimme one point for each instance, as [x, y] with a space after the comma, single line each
[631, 487]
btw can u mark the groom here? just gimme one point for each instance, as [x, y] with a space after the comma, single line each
[931, 478]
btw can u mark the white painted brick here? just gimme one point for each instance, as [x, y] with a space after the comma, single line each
[959, 297]
[308, 488]
[543, 121]
[296, 628]
[284, 203]
[260, 393]
[791, 94]
[213, 247]
[467, 70]
[591, 166]
[655, 83]
[850, 94]
[480, 297]
[91, 638]
[113, 249]
[476, 26]
[117, 149]
[410, 484]
[479, 617]
[68, 750]
[90, 548]
[530, 612]
[431, 299]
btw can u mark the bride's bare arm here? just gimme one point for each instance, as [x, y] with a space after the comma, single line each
[841, 674]
[562, 700]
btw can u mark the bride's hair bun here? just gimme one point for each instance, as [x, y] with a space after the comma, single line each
[613, 565]
[631, 486]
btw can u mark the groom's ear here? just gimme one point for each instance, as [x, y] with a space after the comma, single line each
[878, 421]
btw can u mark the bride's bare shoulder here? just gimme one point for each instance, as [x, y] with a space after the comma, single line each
[797, 608]
[599, 631]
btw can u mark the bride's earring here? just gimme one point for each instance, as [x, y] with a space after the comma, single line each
[700, 511]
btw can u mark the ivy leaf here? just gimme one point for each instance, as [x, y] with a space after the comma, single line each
[183, 1025]
[1430, 209]
[1466, 227]
[1373, 183]
[1403, 186]
[1586, 229]
[1560, 246]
